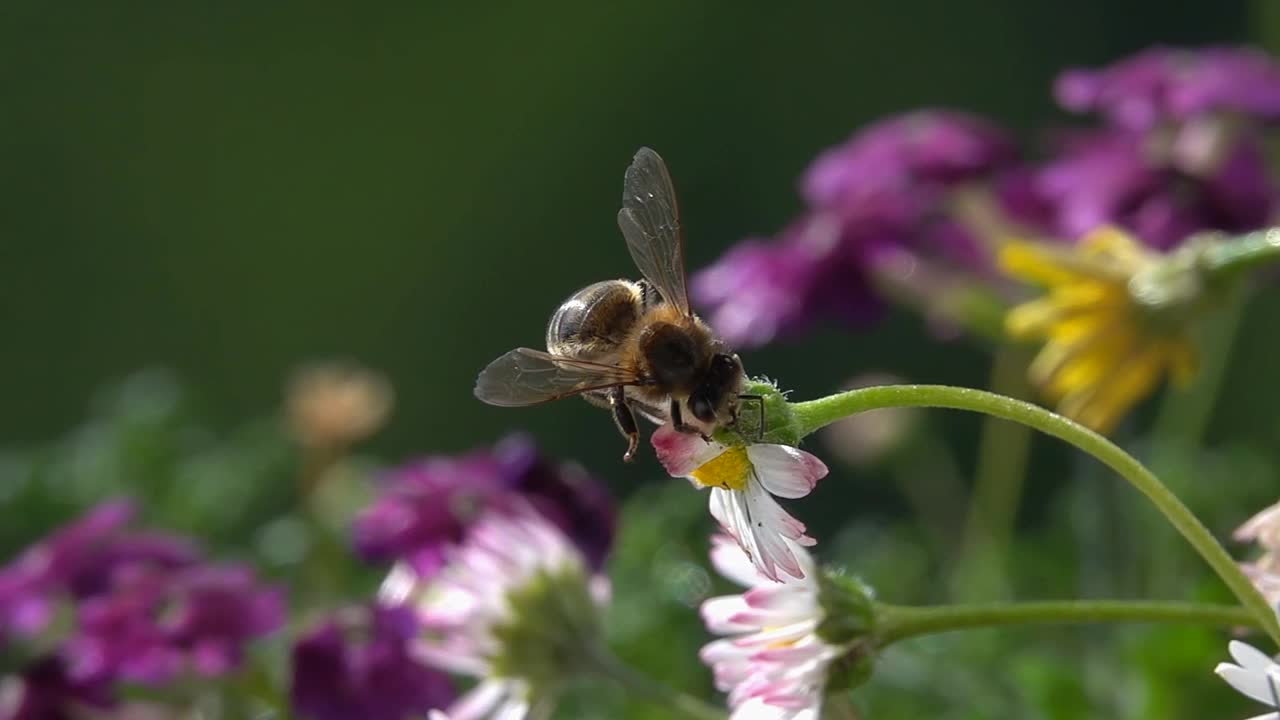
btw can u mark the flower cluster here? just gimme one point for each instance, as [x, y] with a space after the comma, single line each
[146, 608]
[360, 663]
[428, 505]
[773, 664]
[496, 554]
[920, 204]
[892, 196]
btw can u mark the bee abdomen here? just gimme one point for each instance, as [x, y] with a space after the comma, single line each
[595, 321]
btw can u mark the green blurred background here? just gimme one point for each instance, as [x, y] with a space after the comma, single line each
[229, 190]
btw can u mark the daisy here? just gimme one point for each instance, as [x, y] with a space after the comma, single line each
[515, 606]
[1264, 529]
[743, 481]
[1255, 675]
[1115, 321]
[772, 663]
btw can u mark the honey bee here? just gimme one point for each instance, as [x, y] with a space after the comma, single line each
[634, 347]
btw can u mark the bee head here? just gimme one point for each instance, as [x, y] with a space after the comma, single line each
[720, 387]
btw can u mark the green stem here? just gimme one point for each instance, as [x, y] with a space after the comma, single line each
[1179, 428]
[1243, 252]
[811, 415]
[643, 686]
[899, 623]
[993, 508]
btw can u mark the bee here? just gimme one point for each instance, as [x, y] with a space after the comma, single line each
[634, 347]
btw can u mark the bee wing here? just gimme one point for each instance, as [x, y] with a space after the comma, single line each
[650, 222]
[527, 377]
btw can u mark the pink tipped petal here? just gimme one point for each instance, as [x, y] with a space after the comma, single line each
[682, 453]
[719, 613]
[732, 563]
[786, 471]
[780, 598]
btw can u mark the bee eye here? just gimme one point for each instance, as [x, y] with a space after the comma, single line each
[701, 409]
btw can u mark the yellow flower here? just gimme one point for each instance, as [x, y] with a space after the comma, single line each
[1114, 320]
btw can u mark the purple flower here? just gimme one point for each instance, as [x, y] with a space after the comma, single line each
[890, 187]
[45, 690]
[30, 586]
[359, 664]
[428, 505]
[1171, 84]
[1111, 177]
[155, 625]
[82, 561]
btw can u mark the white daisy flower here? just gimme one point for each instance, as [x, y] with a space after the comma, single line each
[1264, 571]
[514, 606]
[743, 481]
[773, 664]
[1256, 676]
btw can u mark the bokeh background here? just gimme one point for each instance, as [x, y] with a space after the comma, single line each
[220, 192]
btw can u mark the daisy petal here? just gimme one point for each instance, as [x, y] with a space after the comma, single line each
[682, 453]
[786, 471]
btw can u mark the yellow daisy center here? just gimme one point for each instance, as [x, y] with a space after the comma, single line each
[728, 470]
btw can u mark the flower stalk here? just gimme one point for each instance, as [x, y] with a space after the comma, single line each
[900, 623]
[813, 414]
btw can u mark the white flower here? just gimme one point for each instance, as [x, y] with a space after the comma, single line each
[773, 665]
[1264, 529]
[743, 481]
[1256, 676]
[514, 603]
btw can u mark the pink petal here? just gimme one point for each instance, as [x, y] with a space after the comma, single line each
[682, 453]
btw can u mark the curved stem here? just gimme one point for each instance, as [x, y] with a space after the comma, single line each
[811, 415]
[643, 686]
[899, 623]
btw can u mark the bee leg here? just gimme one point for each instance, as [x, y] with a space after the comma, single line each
[677, 421]
[625, 419]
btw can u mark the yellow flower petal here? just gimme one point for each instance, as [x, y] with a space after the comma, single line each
[1116, 247]
[1094, 360]
[1038, 318]
[1038, 263]
[1102, 405]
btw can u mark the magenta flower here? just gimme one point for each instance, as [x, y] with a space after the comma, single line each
[1111, 177]
[1172, 84]
[428, 505]
[888, 190]
[154, 625]
[146, 607]
[45, 690]
[80, 561]
[359, 664]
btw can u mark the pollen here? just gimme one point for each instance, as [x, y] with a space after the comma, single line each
[728, 470]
